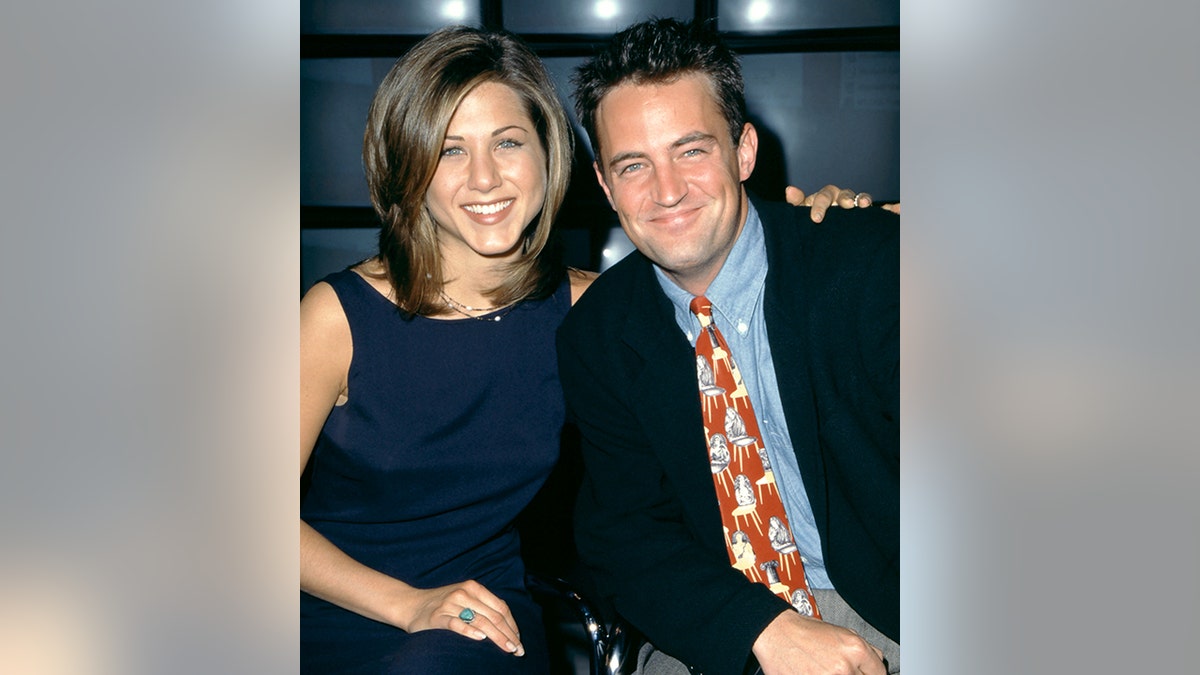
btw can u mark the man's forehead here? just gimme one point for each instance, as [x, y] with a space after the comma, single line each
[683, 96]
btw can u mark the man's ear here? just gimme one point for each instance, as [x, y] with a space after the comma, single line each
[603, 184]
[747, 151]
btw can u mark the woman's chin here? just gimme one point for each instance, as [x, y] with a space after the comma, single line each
[497, 250]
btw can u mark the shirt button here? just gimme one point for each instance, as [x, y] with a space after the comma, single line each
[742, 327]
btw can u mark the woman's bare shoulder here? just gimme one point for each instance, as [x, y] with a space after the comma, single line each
[322, 316]
[580, 281]
[372, 271]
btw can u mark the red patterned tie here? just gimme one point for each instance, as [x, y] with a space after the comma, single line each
[757, 535]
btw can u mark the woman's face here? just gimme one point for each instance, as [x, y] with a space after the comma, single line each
[491, 177]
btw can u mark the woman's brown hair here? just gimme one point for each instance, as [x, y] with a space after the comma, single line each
[406, 126]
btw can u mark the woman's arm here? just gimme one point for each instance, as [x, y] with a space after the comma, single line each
[329, 573]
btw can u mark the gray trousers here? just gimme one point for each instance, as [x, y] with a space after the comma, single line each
[833, 610]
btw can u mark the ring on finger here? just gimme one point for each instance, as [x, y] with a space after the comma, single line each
[859, 196]
[467, 615]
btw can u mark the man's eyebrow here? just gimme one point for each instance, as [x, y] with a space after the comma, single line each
[612, 163]
[694, 137]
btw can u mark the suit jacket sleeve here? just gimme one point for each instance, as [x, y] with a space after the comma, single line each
[651, 529]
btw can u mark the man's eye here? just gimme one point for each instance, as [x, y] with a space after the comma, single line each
[630, 168]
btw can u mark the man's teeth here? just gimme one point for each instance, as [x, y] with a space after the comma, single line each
[488, 209]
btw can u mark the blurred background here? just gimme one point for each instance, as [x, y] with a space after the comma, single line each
[822, 87]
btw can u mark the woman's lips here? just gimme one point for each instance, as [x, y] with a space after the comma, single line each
[488, 209]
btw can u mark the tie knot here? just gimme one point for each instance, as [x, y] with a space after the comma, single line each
[701, 307]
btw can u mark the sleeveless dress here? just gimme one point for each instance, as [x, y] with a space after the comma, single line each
[449, 430]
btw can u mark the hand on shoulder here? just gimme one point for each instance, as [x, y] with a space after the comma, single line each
[832, 195]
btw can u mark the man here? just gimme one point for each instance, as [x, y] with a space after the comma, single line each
[811, 313]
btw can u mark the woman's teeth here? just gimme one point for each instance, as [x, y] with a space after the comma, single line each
[488, 209]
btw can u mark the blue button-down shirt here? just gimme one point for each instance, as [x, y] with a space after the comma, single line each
[737, 300]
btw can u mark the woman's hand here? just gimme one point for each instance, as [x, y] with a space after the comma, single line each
[832, 195]
[444, 608]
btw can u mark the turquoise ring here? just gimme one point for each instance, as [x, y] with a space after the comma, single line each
[467, 615]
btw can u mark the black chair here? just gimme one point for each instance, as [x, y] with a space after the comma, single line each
[613, 646]
[575, 622]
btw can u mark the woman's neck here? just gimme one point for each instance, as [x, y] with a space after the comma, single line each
[470, 287]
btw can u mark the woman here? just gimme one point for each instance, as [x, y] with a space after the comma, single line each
[430, 404]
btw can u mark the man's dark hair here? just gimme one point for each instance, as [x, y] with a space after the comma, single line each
[660, 51]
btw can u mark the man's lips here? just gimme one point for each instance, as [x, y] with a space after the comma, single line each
[674, 216]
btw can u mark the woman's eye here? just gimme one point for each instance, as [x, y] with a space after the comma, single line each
[510, 143]
[448, 152]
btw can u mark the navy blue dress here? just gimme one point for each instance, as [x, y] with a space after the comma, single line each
[449, 430]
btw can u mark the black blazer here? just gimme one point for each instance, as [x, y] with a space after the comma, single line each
[647, 520]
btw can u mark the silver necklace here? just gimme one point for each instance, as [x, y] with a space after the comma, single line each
[464, 309]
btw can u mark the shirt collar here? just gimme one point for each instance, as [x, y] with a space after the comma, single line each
[735, 291]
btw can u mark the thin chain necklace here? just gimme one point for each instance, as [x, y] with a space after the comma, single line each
[464, 309]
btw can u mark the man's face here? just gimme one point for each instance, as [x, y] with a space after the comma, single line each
[673, 175]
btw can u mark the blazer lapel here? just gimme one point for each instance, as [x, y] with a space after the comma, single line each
[668, 403]
[785, 316]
